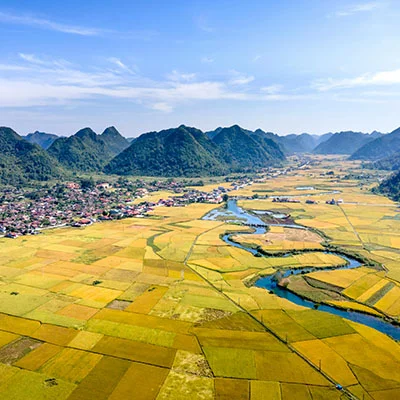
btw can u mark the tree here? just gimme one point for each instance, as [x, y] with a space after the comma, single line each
[87, 183]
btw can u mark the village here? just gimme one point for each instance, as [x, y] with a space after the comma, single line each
[79, 204]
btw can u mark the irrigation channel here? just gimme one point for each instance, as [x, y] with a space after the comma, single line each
[233, 212]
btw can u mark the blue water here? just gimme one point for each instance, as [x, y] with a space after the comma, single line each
[369, 320]
[270, 282]
[232, 210]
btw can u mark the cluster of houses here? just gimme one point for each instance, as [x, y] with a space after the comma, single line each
[285, 200]
[334, 202]
[69, 204]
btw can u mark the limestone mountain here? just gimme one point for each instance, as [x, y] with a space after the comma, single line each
[181, 151]
[85, 151]
[344, 143]
[382, 147]
[22, 161]
[242, 150]
[114, 141]
[43, 139]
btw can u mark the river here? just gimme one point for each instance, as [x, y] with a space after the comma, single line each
[270, 283]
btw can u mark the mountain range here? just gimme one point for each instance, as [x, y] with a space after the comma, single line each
[380, 148]
[182, 151]
[86, 151]
[345, 142]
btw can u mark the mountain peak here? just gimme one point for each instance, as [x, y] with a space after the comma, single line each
[111, 131]
[86, 132]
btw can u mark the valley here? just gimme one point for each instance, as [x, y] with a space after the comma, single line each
[172, 305]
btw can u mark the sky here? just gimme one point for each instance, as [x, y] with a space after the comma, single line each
[287, 66]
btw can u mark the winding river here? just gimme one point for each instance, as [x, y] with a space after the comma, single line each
[233, 211]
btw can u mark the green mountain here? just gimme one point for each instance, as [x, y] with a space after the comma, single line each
[268, 142]
[303, 143]
[382, 147]
[243, 151]
[85, 151]
[391, 163]
[182, 151]
[114, 141]
[44, 140]
[22, 162]
[391, 187]
[344, 143]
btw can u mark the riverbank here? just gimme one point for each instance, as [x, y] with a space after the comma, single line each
[383, 323]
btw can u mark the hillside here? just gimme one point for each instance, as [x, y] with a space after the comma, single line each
[344, 143]
[269, 142]
[114, 141]
[304, 143]
[21, 161]
[391, 187]
[379, 148]
[391, 163]
[243, 151]
[181, 151]
[44, 140]
[84, 151]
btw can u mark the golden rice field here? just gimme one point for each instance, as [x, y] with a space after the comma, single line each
[158, 308]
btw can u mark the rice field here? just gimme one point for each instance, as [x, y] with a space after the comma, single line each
[160, 307]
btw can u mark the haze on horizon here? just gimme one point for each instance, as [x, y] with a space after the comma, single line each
[287, 67]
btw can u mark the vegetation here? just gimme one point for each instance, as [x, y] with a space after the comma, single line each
[84, 151]
[44, 140]
[22, 162]
[115, 142]
[391, 187]
[391, 163]
[344, 143]
[244, 151]
[379, 148]
[174, 152]
[163, 302]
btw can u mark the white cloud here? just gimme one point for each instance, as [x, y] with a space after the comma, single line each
[240, 79]
[31, 58]
[164, 107]
[121, 65]
[177, 76]
[8, 67]
[207, 60]
[47, 82]
[359, 8]
[257, 58]
[203, 24]
[48, 24]
[369, 79]
[272, 89]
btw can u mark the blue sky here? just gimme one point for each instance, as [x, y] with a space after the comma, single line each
[283, 66]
